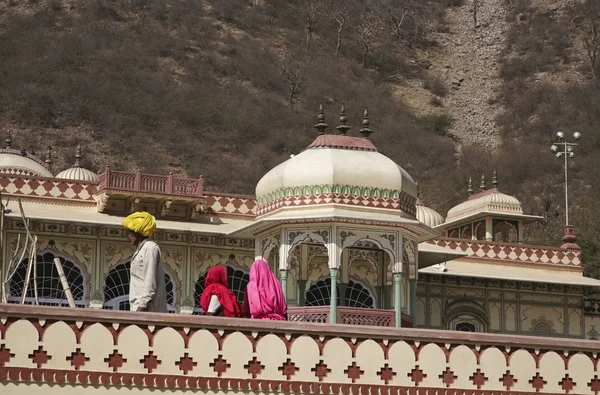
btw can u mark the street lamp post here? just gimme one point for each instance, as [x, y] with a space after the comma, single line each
[565, 149]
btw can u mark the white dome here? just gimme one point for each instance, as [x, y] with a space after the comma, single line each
[79, 174]
[487, 201]
[338, 169]
[429, 216]
[17, 162]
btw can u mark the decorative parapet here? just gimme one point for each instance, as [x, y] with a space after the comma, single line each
[511, 252]
[152, 184]
[239, 205]
[348, 316]
[60, 348]
[34, 187]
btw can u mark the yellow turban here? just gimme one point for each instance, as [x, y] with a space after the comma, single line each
[142, 222]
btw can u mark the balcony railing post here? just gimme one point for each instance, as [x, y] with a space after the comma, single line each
[170, 184]
[138, 181]
[200, 189]
[107, 183]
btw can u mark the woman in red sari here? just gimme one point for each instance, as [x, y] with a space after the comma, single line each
[217, 299]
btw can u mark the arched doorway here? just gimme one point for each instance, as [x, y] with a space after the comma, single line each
[50, 289]
[356, 295]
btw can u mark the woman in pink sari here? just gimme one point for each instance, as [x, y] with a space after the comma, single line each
[264, 298]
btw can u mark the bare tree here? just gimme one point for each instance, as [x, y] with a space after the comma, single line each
[310, 9]
[294, 71]
[338, 11]
[369, 26]
[407, 19]
[587, 22]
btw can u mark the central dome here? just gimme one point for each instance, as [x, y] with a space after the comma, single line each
[338, 169]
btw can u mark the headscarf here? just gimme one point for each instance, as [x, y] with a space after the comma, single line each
[216, 284]
[141, 222]
[265, 295]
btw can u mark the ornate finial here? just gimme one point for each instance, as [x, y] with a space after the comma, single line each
[321, 125]
[470, 189]
[482, 186]
[8, 140]
[49, 158]
[343, 128]
[495, 179]
[78, 156]
[365, 131]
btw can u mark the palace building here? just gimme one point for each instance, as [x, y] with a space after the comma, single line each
[408, 283]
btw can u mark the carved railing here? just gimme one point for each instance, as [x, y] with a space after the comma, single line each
[52, 349]
[348, 316]
[511, 252]
[150, 183]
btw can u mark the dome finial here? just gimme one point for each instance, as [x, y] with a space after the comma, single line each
[482, 186]
[495, 179]
[365, 131]
[8, 140]
[470, 189]
[78, 156]
[343, 128]
[321, 126]
[49, 158]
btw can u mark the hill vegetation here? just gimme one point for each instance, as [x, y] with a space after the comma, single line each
[230, 88]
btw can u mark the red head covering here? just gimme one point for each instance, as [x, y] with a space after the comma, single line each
[265, 296]
[216, 284]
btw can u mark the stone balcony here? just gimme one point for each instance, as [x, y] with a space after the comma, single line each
[51, 350]
[121, 192]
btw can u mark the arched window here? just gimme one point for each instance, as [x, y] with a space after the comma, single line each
[237, 281]
[480, 231]
[116, 288]
[357, 295]
[50, 289]
[505, 232]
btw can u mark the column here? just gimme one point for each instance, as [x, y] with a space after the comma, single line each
[489, 231]
[342, 287]
[301, 292]
[413, 299]
[283, 278]
[257, 249]
[398, 298]
[333, 273]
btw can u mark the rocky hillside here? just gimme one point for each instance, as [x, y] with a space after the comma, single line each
[229, 89]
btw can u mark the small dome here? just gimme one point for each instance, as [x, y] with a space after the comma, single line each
[338, 169]
[490, 200]
[77, 171]
[428, 216]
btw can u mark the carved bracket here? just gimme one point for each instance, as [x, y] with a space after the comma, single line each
[166, 206]
[101, 201]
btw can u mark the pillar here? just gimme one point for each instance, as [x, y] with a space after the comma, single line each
[301, 292]
[257, 249]
[342, 287]
[489, 231]
[283, 278]
[398, 298]
[333, 273]
[413, 298]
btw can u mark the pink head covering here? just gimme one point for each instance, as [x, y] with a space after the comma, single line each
[265, 296]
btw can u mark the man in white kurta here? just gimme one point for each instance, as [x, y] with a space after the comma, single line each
[147, 290]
